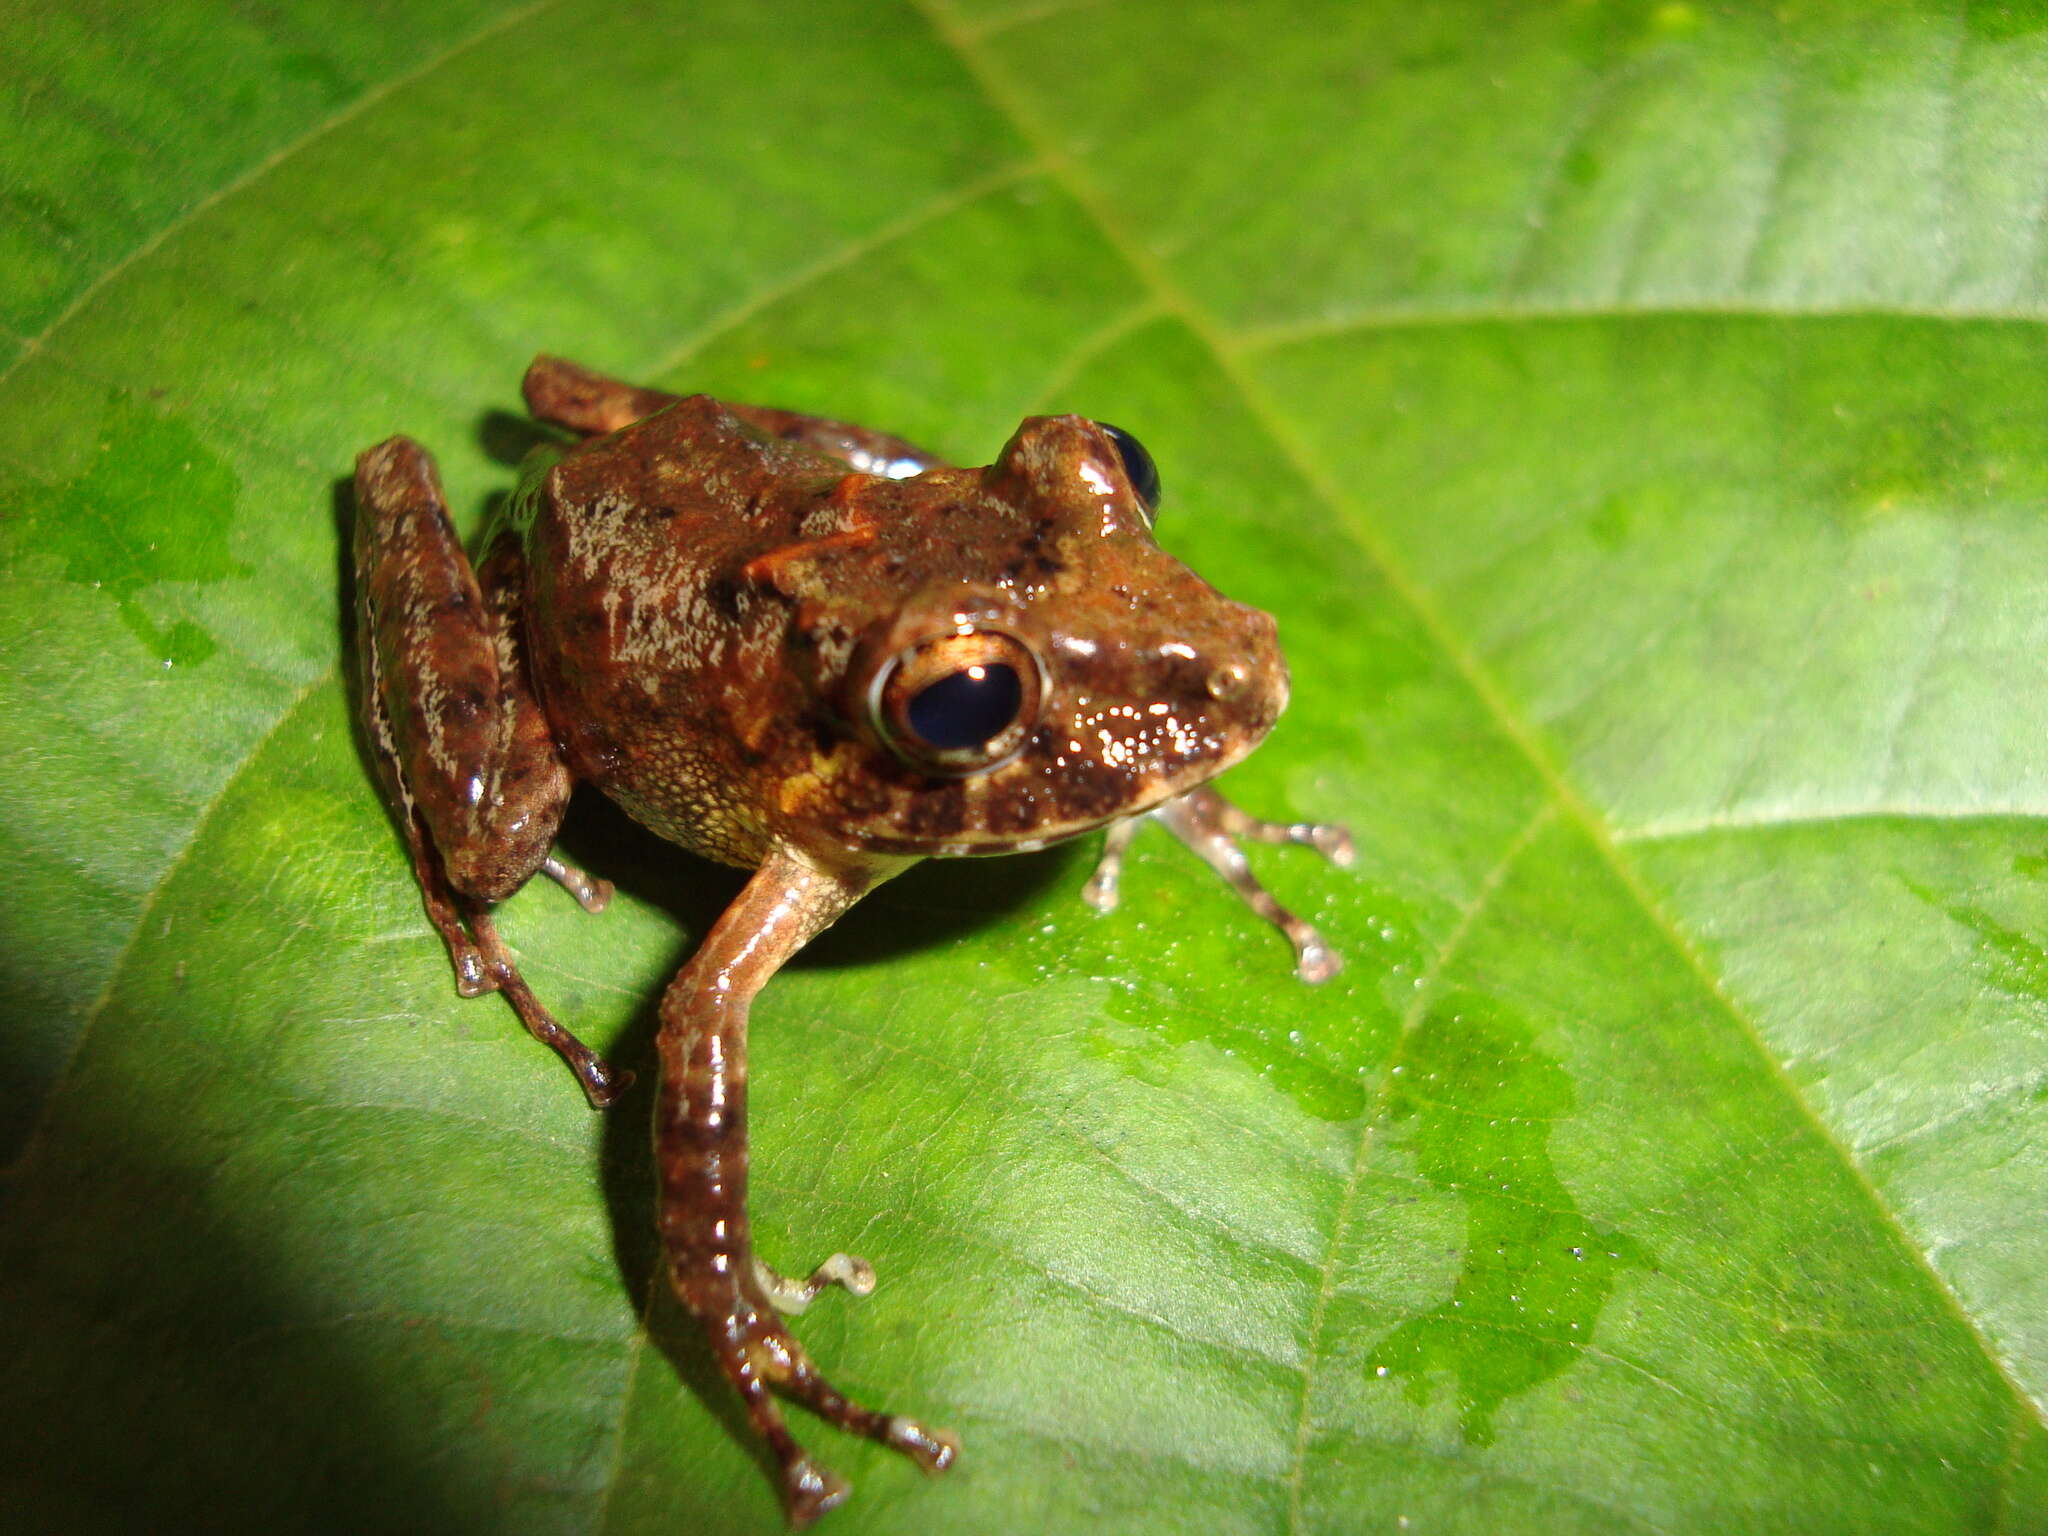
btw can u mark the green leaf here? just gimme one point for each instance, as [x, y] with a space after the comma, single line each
[1634, 413]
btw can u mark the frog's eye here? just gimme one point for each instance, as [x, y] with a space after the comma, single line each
[958, 704]
[1138, 468]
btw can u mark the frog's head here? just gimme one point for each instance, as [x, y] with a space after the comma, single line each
[1050, 668]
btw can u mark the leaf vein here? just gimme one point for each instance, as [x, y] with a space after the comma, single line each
[270, 162]
[32, 1145]
[841, 257]
[1411, 1021]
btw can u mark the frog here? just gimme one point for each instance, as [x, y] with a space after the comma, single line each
[819, 653]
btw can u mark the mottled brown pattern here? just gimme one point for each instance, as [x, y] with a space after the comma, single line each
[737, 622]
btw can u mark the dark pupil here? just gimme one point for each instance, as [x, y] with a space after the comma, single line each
[1138, 466]
[967, 708]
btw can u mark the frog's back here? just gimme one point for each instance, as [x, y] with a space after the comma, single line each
[693, 474]
[657, 660]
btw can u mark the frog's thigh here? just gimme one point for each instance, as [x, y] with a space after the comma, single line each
[454, 724]
[583, 400]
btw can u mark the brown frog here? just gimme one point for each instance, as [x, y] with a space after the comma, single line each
[817, 652]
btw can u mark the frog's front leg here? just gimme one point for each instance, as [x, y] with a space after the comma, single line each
[461, 743]
[700, 1143]
[1211, 826]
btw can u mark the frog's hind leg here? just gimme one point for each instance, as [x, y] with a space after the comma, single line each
[459, 738]
[570, 395]
[700, 1143]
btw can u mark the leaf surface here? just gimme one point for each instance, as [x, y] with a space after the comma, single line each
[1634, 414]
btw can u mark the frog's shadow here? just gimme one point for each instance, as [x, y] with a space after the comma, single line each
[509, 437]
[934, 902]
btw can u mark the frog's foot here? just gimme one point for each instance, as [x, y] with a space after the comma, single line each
[700, 1153]
[602, 1084]
[809, 1490]
[1327, 838]
[592, 895]
[758, 1353]
[1211, 826]
[857, 1275]
[776, 1358]
[482, 964]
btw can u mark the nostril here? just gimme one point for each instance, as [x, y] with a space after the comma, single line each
[1229, 682]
